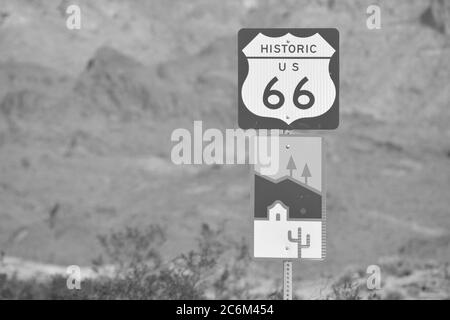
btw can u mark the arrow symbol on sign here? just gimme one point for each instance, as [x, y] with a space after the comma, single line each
[306, 173]
[291, 166]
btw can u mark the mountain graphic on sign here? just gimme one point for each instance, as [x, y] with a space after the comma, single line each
[303, 201]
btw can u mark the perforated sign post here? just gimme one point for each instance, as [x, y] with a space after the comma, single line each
[289, 80]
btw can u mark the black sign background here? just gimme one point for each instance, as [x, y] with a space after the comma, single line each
[326, 121]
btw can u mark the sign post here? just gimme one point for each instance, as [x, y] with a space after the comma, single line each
[287, 280]
[289, 80]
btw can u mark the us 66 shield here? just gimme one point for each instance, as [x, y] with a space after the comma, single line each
[288, 79]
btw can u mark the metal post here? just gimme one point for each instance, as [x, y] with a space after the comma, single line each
[287, 280]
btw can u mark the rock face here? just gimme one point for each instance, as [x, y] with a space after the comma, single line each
[86, 118]
[150, 31]
[437, 16]
[115, 83]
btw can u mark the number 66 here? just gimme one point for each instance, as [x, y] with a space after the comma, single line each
[298, 92]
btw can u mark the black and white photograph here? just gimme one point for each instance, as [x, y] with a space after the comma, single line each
[239, 150]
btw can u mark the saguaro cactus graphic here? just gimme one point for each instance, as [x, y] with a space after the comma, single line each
[299, 241]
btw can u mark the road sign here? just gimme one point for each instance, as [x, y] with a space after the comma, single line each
[288, 79]
[289, 203]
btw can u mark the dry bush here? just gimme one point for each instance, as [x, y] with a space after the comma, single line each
[214, 269]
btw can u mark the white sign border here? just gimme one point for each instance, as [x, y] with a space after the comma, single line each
[324, 202]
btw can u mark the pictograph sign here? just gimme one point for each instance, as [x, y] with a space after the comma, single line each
[288, 79]
[289, 205]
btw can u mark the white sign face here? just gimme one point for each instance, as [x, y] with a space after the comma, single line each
[288, 78]
[289, 210]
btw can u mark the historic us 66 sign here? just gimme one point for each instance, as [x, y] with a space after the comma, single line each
[288, 79]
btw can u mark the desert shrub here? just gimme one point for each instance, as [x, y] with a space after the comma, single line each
[55, 288]
[12, 288]
[397, 267]
[346, 288]
[132, 247]
[394, 295]
[216, 268]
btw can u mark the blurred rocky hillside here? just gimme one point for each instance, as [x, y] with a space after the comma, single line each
[86, 117]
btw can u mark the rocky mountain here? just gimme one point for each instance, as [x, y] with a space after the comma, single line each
[86, 118]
